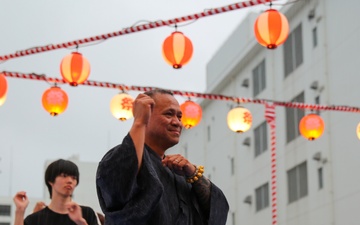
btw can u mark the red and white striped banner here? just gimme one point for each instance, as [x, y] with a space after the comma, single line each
[42, 77]
[270, 118]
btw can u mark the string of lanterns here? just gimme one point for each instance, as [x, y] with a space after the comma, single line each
[134, 29]
[55, 101]
[177, 51]
[271, 30]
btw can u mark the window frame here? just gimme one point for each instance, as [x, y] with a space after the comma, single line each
[262, 197]
[297, 178]
[261, 139]
[259, 78]
[293, 51]
[5, 210]
[293, 117]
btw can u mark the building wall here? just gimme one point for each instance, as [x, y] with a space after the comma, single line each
[9, 219]
[332, 64]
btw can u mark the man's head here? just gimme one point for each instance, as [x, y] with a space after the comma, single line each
[60, 167]
[164, 126]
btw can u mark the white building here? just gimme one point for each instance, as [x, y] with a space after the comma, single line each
[317, 181]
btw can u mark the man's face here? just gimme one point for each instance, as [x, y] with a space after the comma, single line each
[164, 127]
[64, 185]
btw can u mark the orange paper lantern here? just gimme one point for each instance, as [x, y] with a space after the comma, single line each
[239, 119]
[177, 50]
[75, 69]
[3, 89]
[191, 114]
[271, 28]
[55, 100]
[121, 106]
[311, 126]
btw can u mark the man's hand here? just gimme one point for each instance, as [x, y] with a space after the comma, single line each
[179, 164]
[142, 109]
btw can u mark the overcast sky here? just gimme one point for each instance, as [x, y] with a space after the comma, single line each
[29, 136]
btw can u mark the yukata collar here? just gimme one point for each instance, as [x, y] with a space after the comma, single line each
[153, 153]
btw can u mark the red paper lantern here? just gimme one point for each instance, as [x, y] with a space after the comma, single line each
[191, 114]
[3, 89]
[55, 100]
[177, 50]
[311, 126]
[75, 69]
[271, 28]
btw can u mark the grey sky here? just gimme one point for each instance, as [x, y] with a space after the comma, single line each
[29, 136]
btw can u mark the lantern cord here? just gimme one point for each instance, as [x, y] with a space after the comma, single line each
[207, 96]
[183, 25]
[138, 28]
[286, 3]
[85, 45]
[42, 76]
[142, 21]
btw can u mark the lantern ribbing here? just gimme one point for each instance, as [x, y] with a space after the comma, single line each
[138, 28]
[208, 96]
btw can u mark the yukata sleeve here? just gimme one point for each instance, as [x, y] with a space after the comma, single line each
[127, 196]
[219, 207]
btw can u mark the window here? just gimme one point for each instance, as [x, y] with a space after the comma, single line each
[293, 117]
[317, 102]
[5, 210]
[262, 197]
[260, 134]
[259, 78]
[321, 178]
[314, 35]
[293, 51]
[232, 160]
[297, 182]
[208, 132]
